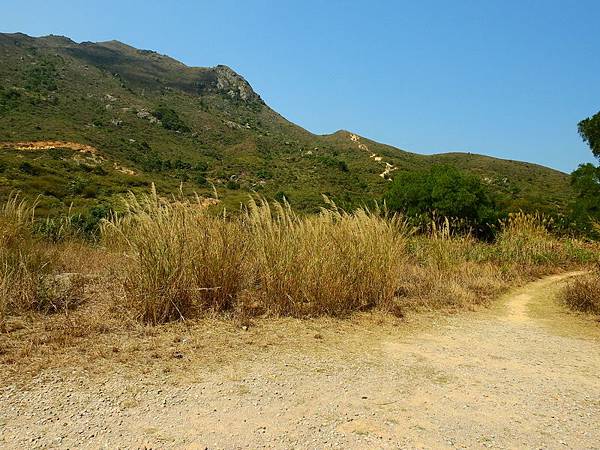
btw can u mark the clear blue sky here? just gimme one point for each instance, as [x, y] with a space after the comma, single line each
[504, 78]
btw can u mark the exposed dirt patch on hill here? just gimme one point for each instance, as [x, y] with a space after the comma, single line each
[49, 145]
[523, 374]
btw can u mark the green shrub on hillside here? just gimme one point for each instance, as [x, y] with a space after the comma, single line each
[443, 191]
[170, 119]
[41, 77]
[28, 168]
[9, 99]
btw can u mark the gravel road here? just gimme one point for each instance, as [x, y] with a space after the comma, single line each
[523, 374]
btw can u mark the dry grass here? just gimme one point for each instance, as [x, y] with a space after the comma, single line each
[525, 239]
[168, 260]
[454, 272]
[583, 293]
[330, 264]
[184, 262]
[23, 260]
[180, 259]
[36, 275]
[174, 260]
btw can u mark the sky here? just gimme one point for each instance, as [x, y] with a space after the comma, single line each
[504, 78]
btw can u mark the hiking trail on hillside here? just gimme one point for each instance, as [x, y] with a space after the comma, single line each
[522, 374]
[389, 168]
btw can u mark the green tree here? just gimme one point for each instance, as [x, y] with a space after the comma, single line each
[589, 129]
[443, 191]
[586, 180]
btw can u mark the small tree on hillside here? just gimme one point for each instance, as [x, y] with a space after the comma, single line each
[443, 191]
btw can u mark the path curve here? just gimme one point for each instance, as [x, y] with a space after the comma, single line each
[523, 374]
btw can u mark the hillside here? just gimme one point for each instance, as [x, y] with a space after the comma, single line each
[81, 123]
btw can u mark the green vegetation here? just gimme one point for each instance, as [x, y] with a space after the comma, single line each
[583, 294]
[585, 180]
[170, 119]
[586, 207]
[589, 129]
[41, 77]
[9, 99]
[443, 191]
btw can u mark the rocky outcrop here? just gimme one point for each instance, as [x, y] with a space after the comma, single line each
[234, 85]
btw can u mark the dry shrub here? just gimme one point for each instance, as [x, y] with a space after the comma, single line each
[181, 260]
[525, 239]
[583, 293]
[28, 266]
[332, 263]
[23, 260]
[451, 272]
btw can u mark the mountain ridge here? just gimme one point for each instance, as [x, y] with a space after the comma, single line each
[162, 119]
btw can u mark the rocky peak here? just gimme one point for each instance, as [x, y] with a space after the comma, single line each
[233, 84]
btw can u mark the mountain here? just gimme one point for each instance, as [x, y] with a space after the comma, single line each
[81, 123]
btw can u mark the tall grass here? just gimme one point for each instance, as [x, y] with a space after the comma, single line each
[332, 263]
[184, 262]
[583, 293]
[181, 260]
[525, 239]
[23, 262]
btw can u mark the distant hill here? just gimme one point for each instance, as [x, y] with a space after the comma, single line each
[81, 123]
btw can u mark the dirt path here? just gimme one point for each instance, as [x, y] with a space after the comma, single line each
[389, 168]
[524, 374]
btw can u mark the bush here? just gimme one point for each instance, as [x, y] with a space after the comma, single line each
[443, 191]
[28, 168]
[583, 293]
[281, 197]
[23, 260]
[170, 119]
[201, 180]
[42, 77]
[525, 239]
[232, 184]
[327, 264]
[181, 260]
[9, 99]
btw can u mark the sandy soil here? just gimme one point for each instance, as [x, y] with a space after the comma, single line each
[523, 374]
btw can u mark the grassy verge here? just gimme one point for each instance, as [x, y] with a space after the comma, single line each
[172, 261]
